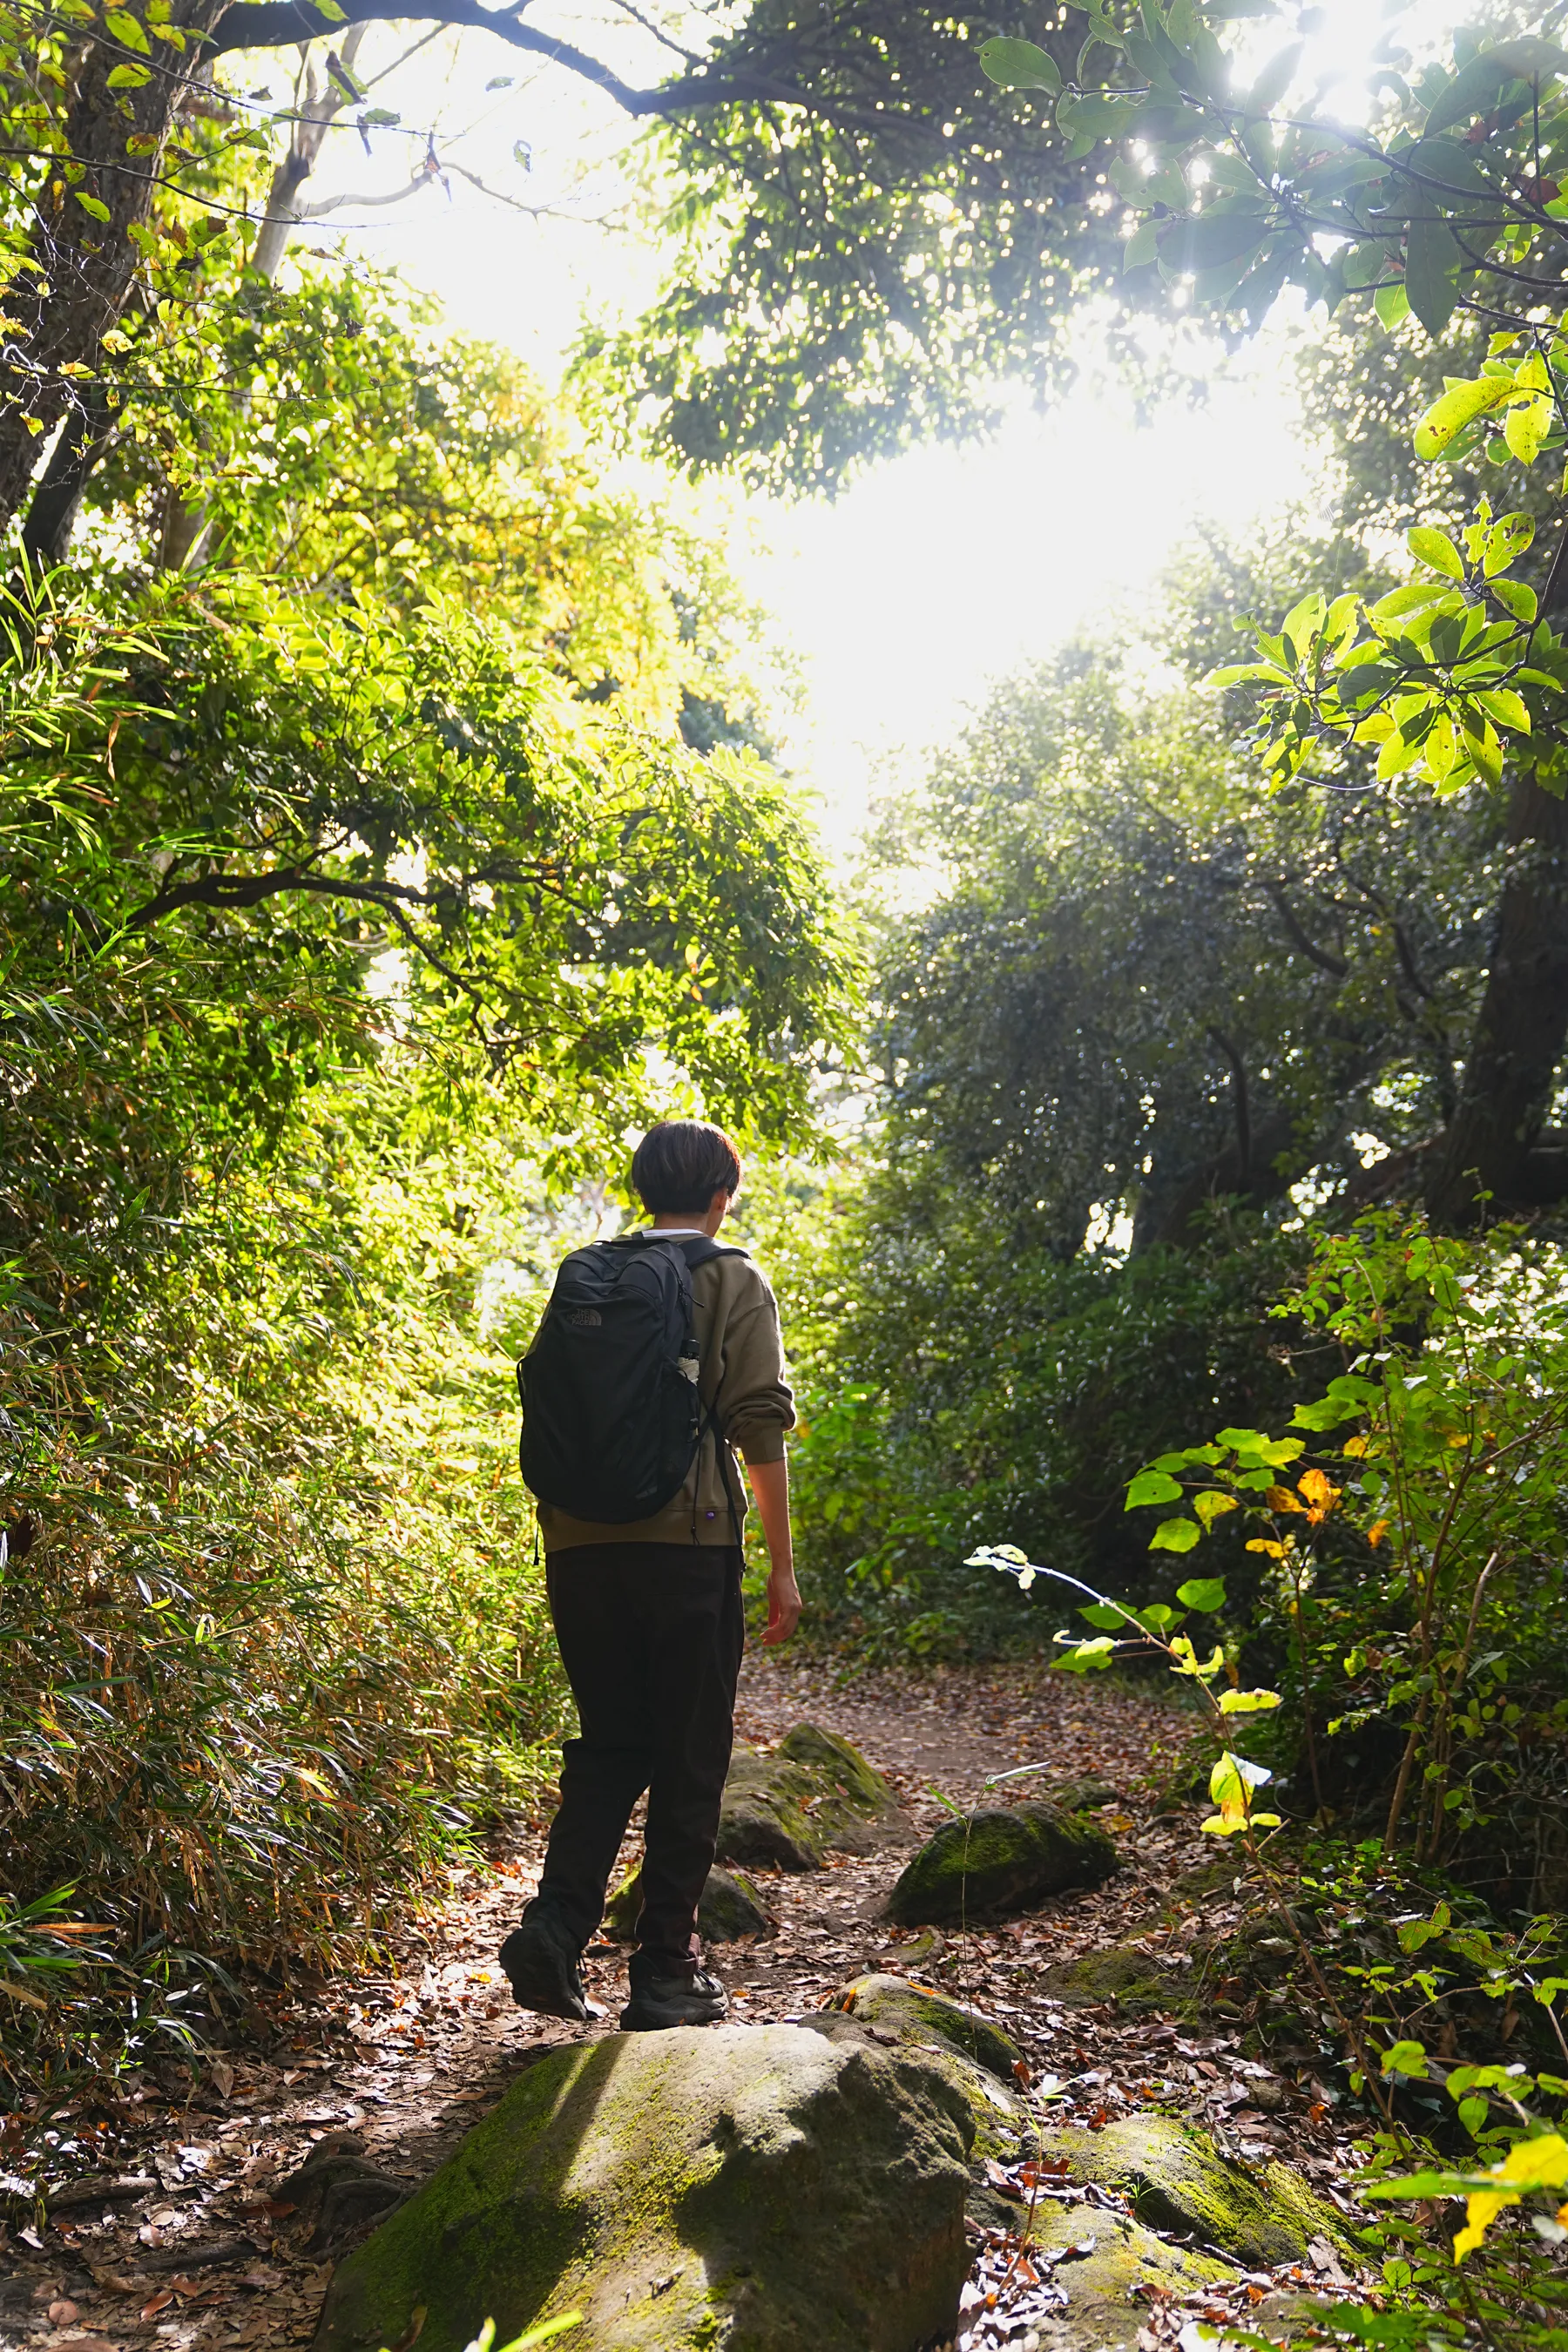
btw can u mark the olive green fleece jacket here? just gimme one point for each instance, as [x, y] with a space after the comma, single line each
[740, 1377]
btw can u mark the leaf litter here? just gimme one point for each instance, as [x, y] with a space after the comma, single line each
[165, 2226]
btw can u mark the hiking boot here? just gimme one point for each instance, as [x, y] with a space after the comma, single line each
[541, 1966]
[657, 2003]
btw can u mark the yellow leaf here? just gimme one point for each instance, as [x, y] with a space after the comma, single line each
[1481, 2210]
[1376, 1532]
[1261, 1543]
[1539, 2163]
[1281, 1498]
[1354, 1446]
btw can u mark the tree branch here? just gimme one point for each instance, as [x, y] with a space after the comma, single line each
[279, 24]
[1325, 960]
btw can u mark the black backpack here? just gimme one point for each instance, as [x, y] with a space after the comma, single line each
[611, 1419]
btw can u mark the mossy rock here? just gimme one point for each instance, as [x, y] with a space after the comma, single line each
[763, 1817]
[852, 1806]
[1081, 1796]
[812, 1792]
[1175, 2179]
[999, 1861]
[1118, 1972]
[731, 1910]
[1108, 2290]
[768, 2187]
[921, 2017]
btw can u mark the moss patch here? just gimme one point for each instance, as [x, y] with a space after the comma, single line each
[768, 2189]
[1105, 2308]
[814, 1791]
[1118, 1972]
[1175, 2179]
[997, 1862]
[852, 1806]
[923, 2018]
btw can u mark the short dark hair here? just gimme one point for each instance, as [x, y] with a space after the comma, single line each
[681, 1164]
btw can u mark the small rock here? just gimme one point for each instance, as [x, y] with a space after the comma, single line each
[999, 1861]
[339, 2191]
[731, 1910]
[63, 2314]
[1134, 1980]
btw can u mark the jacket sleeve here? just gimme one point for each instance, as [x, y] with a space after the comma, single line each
[753, 1401]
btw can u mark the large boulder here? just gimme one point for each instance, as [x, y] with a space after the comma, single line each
[999, 1861]
[731, 1910]
[769, 2187]
[789, 1806]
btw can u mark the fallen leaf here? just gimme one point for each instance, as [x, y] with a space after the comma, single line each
[410, 2336]
[157, 2302]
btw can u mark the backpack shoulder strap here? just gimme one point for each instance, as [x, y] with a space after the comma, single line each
[697, 1250]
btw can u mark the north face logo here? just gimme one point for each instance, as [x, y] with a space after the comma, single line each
[584, 1315]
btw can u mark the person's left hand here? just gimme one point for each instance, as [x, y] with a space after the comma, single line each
[783, 1606]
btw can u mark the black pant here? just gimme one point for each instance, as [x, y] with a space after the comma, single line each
[651, 1636]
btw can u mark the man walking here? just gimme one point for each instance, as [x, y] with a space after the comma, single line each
[658, 1360]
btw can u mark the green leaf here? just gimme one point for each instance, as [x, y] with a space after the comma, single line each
[1159, 1617]
[1515, 598]
[1274, 80]
[93, 205]
[1173, 1534]
[1203, 1592]
[1391, 303]
[1505, 709]
[125, 28]
[1211, 241]
[127, 77]
[1475, 85]
[1460, 406]
[1020, 64]
[1432, 263]
[1211, 1504]
[1152, 1486]
[1104, 1617]
[1252, 1702]
[1506, 542]
[1526, 427]
[1405, 2058]
[1142, 248]
[1436, 550]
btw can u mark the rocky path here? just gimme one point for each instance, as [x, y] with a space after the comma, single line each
[182, 2232]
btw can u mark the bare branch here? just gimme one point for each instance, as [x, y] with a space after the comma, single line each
[1325, 960]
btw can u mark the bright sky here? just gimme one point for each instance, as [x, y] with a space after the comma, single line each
[931, 573]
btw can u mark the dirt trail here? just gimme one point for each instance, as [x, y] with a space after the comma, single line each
[207, 2256]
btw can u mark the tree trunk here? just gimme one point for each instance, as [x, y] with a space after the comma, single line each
[1522, 1028]
[88, 265]
[51, 514]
